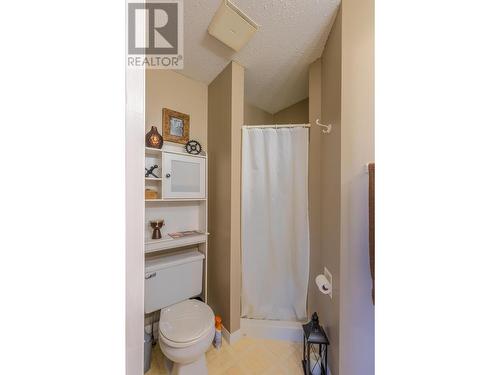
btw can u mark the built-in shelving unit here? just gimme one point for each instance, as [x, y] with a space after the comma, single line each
[150, 150]
[175, 200]
[182, 201]
[173, 243]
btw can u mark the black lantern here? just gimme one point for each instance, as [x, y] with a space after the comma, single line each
[314, 358]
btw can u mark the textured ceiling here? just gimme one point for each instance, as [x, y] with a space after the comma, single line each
[291, 35]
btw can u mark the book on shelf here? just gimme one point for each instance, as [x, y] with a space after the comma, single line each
[185, 233]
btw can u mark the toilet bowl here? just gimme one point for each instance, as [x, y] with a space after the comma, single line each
[186, 331]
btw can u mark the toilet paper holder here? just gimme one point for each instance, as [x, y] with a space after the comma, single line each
[325, 283]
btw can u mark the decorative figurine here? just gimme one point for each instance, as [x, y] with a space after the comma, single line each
[149, 172]
[156, 225]
[193, 147]
[153, 138]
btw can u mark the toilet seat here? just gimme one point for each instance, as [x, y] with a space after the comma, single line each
[185, 323]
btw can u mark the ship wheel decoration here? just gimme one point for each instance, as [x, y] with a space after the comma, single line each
[193, 147]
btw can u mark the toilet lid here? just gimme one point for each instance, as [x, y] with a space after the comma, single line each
[186, 321]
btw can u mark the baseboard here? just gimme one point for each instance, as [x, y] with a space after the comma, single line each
[231, 338]
[272, 329]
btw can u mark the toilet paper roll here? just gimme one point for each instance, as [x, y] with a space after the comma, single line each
[323, 285]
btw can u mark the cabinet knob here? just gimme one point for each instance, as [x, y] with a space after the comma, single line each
[167, 175]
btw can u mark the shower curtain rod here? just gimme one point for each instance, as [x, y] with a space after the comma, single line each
[277, 126]
[327, 128]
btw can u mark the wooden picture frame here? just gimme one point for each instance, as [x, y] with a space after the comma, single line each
[175, 126]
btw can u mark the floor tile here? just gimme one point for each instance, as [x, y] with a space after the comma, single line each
[235, 370]
[248, 356]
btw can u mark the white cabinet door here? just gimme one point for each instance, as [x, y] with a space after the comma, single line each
[183, 176]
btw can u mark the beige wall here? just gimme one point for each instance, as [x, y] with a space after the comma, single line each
[330, 181]
[219, 209]
[225, 118]
[315, 262]
[256, 116]
[237, 108]
[346, 74]
[325, 102]
[297, 113]
[168, 89]
[356, 309]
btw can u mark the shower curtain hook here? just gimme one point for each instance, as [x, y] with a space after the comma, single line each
[328, 127]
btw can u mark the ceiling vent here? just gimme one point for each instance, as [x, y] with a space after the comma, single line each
[231, 26]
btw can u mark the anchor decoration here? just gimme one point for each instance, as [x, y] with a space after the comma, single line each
[150, 171]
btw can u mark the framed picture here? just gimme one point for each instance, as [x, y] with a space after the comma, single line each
[175, 126]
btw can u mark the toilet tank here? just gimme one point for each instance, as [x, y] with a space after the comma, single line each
[172, 278]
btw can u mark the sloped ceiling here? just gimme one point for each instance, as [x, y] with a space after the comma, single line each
[291, 35]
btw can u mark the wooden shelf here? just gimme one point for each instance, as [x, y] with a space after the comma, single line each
[150, 150]
[156, 151]
[170, 243]
[175, 200]
[203, 156]
[152, 178]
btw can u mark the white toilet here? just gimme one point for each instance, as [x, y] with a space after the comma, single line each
[186, 328]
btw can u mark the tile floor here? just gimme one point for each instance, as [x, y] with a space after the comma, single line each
[248, 356]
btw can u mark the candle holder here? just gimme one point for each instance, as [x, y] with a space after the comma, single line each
[153, 138]
[314, 358]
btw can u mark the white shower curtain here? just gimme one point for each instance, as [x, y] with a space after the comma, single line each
[275, 223]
